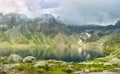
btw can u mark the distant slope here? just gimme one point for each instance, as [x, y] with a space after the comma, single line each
[48, 30]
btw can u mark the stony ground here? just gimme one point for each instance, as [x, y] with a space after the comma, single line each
[14, 64]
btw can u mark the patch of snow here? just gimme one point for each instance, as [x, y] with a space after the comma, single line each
[88, 35]
[80, 42]
[79, 50]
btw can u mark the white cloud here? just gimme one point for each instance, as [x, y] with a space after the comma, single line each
[90, 11]
[32, 8]
[13, 6]
[76, 11]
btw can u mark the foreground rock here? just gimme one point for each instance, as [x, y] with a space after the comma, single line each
[29, 59]
[40, 64]
[14, 58]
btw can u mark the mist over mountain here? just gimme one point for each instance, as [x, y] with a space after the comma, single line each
[102, 12]
[48, 24]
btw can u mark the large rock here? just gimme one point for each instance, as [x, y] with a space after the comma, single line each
[29, 59]
[14, 58]
[63, 64]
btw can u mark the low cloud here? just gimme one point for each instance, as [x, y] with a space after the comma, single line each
[103, 12]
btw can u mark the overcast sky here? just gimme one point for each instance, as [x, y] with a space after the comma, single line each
[102, 12]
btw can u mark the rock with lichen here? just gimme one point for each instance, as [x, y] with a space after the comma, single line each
[14, 58]
[29, 59]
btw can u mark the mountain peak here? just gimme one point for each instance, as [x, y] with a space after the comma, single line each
[1, 14]
[117, 24]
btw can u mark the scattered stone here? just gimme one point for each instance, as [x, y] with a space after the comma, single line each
[63, 64]
[70, 66]
[86, 70]
[54, 61]
[71, 63]
[7, 68]
[69, 70]
[51, 65]
[59, 61]
[40, 64]
[29, 59]
[115, 61]
[100, 63]
[14, 58]
[41, 70]
[79, 72]
[51, 60]
[107, 64]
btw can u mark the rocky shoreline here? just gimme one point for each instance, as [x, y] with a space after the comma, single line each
[14, 64]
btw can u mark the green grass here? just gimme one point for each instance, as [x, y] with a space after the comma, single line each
[29, 68]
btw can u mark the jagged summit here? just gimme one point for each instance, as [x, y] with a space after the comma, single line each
[118, 23]
[47, 24]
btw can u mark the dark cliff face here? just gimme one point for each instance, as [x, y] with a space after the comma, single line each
[117, 25]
